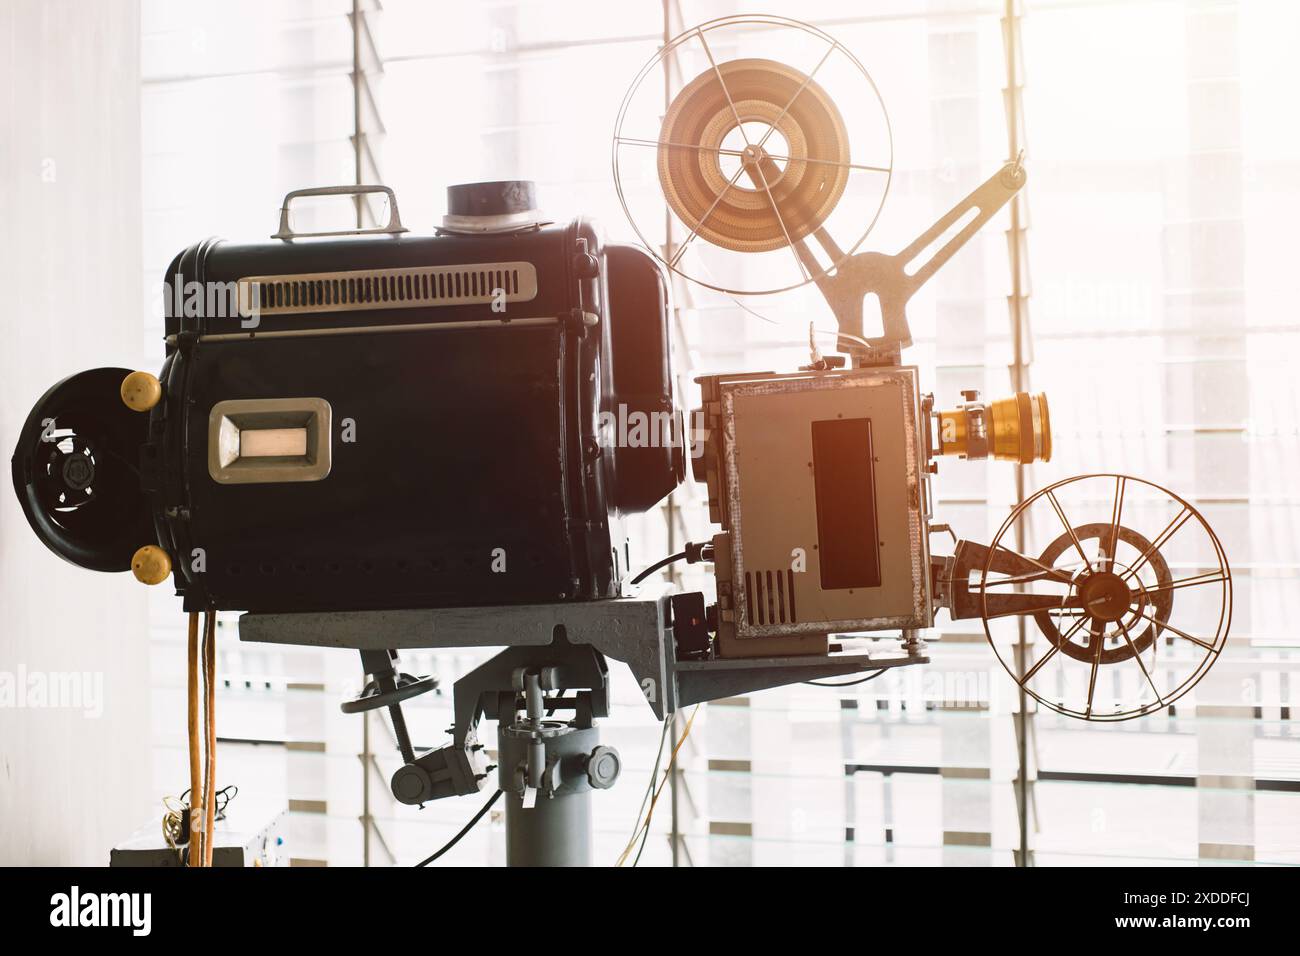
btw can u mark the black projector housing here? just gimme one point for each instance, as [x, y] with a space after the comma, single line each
[468, 382]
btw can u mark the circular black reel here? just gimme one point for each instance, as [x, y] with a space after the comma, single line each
[76, 472]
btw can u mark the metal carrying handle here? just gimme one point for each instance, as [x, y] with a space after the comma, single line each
[393, 228]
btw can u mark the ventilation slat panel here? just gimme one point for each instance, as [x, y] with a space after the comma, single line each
[408, 288]
[769, 597]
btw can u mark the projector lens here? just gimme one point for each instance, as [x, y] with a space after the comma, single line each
[1017, 429]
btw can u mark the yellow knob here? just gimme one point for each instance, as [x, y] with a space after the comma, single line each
[141, 391]
[150, 565]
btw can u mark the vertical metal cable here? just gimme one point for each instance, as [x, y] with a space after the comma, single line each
[1019, 379]
[670, 506]
[357, 177]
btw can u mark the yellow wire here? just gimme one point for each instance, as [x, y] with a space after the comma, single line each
[196, 783]
[210, 734]
[658, 790]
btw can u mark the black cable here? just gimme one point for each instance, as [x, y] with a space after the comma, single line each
[224, 796]
[658, 565]
[848, 683]
[465, 829]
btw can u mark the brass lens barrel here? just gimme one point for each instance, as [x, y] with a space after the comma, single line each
[1017, 428]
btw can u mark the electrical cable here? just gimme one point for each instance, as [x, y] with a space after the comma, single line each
[194, 837]
[645, 837]
[658, 565]
[650, 784]
[224, 796]
[465, 829]
[210, 724]
[177, 811]
[848, 683]
[672, 760]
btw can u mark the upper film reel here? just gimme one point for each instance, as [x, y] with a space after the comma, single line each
[1125, 609]
[754, 154]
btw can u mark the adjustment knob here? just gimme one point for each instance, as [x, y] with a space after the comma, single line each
[412, 785]
[603, 767]
[141, 391]
[151, 565]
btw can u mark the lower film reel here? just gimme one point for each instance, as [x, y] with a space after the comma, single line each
[1126, 607]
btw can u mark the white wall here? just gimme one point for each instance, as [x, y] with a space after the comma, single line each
[71, 785]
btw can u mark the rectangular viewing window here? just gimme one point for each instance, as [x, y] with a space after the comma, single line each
[266, 440]
[272, 442]
[844, 476]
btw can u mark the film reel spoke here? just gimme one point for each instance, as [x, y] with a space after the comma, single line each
[1128, 639]
[1170, 530]
[1052, 652]
[1098, 645]
[1117, 511]
[776, 210]
[1166, 626]
[723, 83]
[802, 86]
[1209, 577]
[1060, 513]
[681, 250]
[824, 162]
[699, 147]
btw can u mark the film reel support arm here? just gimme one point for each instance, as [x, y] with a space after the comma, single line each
[892, 278]
[953, 580]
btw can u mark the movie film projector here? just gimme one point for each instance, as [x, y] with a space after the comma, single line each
[775, 165]
[481, 365]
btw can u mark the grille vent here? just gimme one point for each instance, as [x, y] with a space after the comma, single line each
[769, 597]
[478, 283]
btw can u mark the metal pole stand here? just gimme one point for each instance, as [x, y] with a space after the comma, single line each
[548, 769]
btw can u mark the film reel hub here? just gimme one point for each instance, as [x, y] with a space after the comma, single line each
[1105, 596]
[1107, 592]
[800, 155]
